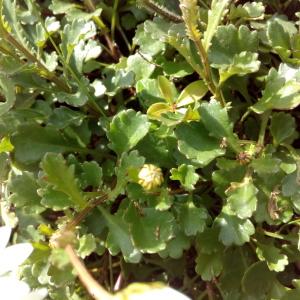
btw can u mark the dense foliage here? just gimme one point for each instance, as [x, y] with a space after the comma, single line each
[159, 138]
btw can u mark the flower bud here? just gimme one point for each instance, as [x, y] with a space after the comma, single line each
[150, 177]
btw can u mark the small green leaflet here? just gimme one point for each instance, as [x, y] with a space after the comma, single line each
[196, 144]
[242, 198]
[127, 128]
[62, 178]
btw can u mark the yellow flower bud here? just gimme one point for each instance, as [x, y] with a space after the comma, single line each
[150, 177]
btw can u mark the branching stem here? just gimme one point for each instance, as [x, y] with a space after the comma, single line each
[30, 57]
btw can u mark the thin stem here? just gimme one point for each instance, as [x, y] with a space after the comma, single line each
[114, 19]
[296, 221]
[85, 211]
[161, 10]
[92, 286]
[263, 128]
[202, 295]
[207, 72]
[120, 29]
[293, 152]
[111, 277]
[66, 65]
[273, 235]
[89, 4]
[111, 46]
[45, 72]
[189, 17]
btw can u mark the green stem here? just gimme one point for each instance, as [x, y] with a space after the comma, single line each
[195, 36]
[111, 47]
[85, 211]
[263, 127]
[202, 295]
[161, 11]
[89, 4]
[114, 19]
[273, 235]
[292, 151]
[120, 29]
[215, 90]
[296, 221]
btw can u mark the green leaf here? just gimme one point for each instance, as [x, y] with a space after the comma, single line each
[258, 280]
[120, 236]
[277, 35]
[91, 175]
[192, 219]
[61, 7]
[192, 93]
[208, 240]
[151, 229]
[176, 69]
[291, 183]
[157, 109]
[59, 258]
[7, 89]
[176, 246]
[234, 266]
[75, 13]
[248, 11]
[62, 178]
[5, 145]
[242, 64]
[279, 38]
[186, 175]
[209, 266]
[147, 45]
[87, 245]
[215, 15]
[32, 142]
[78, 98]
[23, 190]
[167, 89]
[157, 150]
[233, 51]
[275, 260]
[233, 230]
[9, 9]
[127, 170]
[281, 91]
[63, 117]
[54, 199]
[216, 120]
[174, 35]
[127, 128]
[117, 79]
[140, 66]
[266, 165]
[229, 171]
[196, 144]
[148, 92]
[242, 198]
[282, 127]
